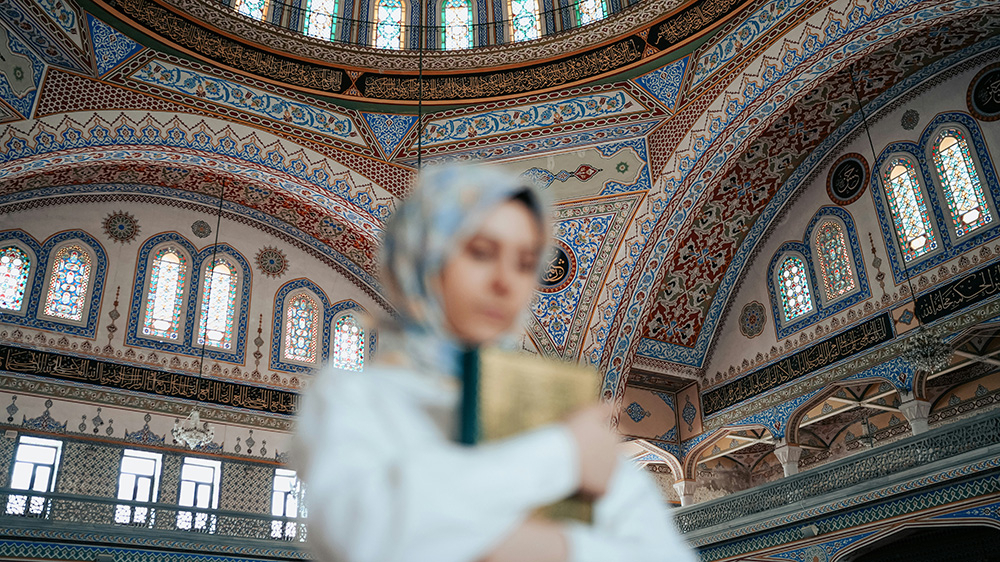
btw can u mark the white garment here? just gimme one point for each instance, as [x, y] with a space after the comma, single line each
[385, 483]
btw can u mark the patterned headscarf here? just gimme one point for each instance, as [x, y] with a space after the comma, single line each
[432, 223]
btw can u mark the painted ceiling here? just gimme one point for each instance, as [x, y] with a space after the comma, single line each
[667, 172]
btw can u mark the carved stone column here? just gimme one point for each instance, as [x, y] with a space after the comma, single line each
[788, 455]
[916, 412]
[685, 489]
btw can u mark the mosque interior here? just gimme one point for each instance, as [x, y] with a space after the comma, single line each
[776, 233]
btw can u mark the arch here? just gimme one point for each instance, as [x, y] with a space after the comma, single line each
[320, 19]
[833, 257]
[959, 179]
[853, 259]
[970, 539]
[905, 193]
[389, 21]
[89, 305]
[241, 301]
[696, 453]
[217, 302]
[348, 351]
[798, 416]
[136, 334]
[525, 21]
[791, 285]
[18, 270]
[456, 24]
[325, 312]
[164, 299]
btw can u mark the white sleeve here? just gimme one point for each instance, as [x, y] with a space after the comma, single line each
[375, 495]
[631, 522]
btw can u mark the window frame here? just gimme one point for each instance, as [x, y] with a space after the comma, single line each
[353, 313]
[22, 312]
[208, 525]
[205, 268]
[886, 163]
[509, 7]
[933, 135]
[29, 500]
[185, 291]
[444, 26]
[283, 529]
[47, 281]
[824, 299]
[149, 514]
[403, 35]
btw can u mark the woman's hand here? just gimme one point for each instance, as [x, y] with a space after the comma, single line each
[597, 444]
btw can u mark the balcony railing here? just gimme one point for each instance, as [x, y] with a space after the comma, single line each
[942, 443]
[29, 510]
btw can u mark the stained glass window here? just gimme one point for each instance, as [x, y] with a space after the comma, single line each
[218, 305]
[794, 287]
[166, 294]
[68, 283]
[389, 24]
[14, 267]
[834, 260]
[524, 20]
[960, 182]
[255, 9]
[588, 11]
[348, 344]
[319, 20]
[457, 18]
[909, 212]
[301, 329]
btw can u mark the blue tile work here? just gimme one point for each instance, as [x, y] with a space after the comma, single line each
[22, 73]
[26, 26]
[198, 261]
[111, 47]
[738, 126]
[389, 129]
[920, 154]
[31, 318]
[637, 412]
[642, 180]
[665, 83]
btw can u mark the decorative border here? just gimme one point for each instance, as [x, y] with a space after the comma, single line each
[30, 316]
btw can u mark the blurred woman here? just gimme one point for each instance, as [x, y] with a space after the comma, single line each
[389, 456]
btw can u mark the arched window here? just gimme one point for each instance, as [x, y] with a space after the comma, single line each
[909, 212]
[960, 182]
[389, 24]
[67, 294]
[834, 260]
[320, 18]
[218, 306]
[793, 284]
[14, 269]
[457, 19]
[255, 9]
[166, 294]
[301, 329]
[524, 20]
[348, 344]
[588, 11]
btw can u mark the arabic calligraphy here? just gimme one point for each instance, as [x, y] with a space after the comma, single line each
[559, 269]
[959, 294]
[841, 346]
[139, 379]
[985, 97]
[846, 182]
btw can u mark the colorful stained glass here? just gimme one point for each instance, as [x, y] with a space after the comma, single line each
[960, 182]
[834, 260]
[301, 329]
[348, 344]
[68, 283]
[909, 212]
[793, 282]
[457, 18]
[14, 267]
[588, 11]
[166, 294]
[255, 9]
[218, 306]
[320, 18]
[524, 20]
[389, 24]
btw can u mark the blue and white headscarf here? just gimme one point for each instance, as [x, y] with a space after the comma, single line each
[437, 218]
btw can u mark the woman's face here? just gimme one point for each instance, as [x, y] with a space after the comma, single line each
[487, 282]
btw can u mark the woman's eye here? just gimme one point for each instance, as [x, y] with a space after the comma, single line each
[480, 251]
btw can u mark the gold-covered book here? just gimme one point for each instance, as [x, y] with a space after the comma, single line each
[519, 392]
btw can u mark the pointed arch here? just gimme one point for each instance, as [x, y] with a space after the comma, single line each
[348, 343]
[959, 178]
[908, 208]
[456, 24]
[68, 283]
[217, 308]
[793, 287]
[295, 329]
[165, 296]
